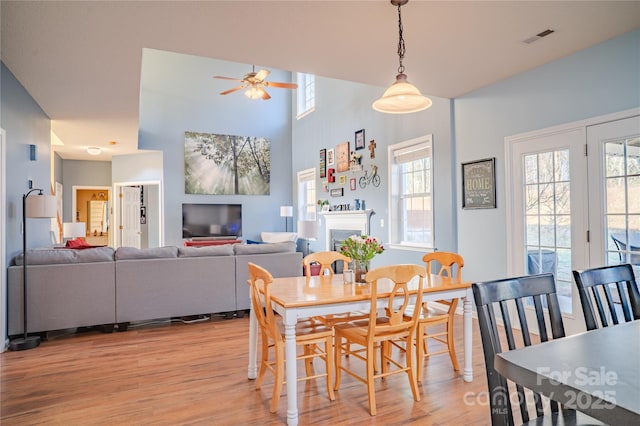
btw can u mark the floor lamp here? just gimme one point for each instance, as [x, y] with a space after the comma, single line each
[309, 230]
[37, 207]
[286, 212]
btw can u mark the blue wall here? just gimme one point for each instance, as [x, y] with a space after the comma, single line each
[342, 108]
[178, 94]
[597, 81]
[25, 123]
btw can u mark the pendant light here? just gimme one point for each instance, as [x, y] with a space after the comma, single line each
[401, 97]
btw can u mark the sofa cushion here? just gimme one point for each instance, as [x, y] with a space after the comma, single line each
[278, 237]
[124, 253]
[57, 256]
[224, 250]
[284, 247]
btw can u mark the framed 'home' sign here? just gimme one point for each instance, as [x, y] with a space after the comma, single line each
[479, 184]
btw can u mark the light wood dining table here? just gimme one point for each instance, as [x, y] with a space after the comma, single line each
[304, 297]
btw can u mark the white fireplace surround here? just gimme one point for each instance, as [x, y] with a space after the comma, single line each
[345, 220]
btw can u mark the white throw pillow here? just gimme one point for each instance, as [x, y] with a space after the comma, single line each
[279, 237]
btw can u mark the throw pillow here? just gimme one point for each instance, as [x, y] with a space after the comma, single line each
[278, 237]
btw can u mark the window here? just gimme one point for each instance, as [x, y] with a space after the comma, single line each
[306, 94]
[410, 193]
[307, 194]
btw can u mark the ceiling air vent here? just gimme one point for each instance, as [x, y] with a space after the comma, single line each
[538, 36]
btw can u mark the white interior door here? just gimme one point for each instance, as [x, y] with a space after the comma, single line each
[614, 206]
[130, 216]
[548, 172]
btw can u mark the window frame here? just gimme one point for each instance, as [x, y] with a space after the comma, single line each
[395, 218]
[307, 209]
[305, 104]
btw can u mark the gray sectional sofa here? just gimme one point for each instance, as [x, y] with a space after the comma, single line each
[102, 286]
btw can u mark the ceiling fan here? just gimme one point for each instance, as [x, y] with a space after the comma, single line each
[255, 84]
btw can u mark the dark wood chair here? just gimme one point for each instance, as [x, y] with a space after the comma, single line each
[616, 285]
[510, 295]
[634, 258]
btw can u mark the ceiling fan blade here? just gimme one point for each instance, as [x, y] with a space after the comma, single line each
[265, 95]
[262, 74]
[283, 85]
[227, 78]
[226, 92]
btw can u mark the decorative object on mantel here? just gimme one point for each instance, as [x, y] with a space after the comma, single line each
[359, 143]
[479, 184]
[357, 203]
[372, 178]
[372, 149]
[362, 249]
[401, 97]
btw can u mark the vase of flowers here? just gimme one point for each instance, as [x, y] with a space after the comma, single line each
[361, 248]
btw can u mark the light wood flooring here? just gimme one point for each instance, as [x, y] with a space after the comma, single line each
[196, 374]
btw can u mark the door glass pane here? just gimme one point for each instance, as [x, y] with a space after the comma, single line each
[622, 200]
[548, 219]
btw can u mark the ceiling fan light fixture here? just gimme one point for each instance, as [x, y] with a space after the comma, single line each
[94, 150]
[254, 92]
[401, 97]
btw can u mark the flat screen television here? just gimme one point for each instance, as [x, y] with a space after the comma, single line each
[211, 220]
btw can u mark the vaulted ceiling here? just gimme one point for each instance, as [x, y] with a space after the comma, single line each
[81, 60]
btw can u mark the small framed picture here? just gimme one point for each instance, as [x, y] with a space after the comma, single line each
[143, 215]
[331, 157]
[359, 139]
[343, 180]
[337, 192]
[342, 157]
[352, 184]
[323, 163]
[479, 184]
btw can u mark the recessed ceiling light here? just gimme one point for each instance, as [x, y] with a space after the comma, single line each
[94, 150]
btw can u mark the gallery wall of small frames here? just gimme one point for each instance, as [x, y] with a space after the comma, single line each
[343, 172]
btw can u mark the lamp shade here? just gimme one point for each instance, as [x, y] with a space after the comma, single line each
[286, 211]
[308, 229]
[74, 229]
[41, 206]
[402, 97]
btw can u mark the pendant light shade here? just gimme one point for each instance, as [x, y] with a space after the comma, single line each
[401, 97]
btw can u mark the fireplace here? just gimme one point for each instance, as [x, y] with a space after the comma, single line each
[337, 236]
[340, 225]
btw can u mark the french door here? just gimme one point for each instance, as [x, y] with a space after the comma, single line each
[574, 202]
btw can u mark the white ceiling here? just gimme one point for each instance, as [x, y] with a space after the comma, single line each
[81, 60]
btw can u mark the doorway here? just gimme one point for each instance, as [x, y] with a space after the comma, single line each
[556, 214]
[137, 214]
[91, 205]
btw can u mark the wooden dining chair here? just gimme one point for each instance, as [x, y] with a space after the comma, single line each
[309, 334]
[326, 259]
[451, 265]
[616, 284]
[508, 298]
[379, 331]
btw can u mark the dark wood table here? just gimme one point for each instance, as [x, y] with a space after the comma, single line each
[596, 372]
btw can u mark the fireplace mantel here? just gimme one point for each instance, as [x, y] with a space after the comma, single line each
[348, 220]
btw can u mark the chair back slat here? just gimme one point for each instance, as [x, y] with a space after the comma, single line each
[503, 293]
[398, 299]
[326, 259]
[258, 276]
[599, 280]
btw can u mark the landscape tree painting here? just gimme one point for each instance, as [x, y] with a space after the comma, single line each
[226, 164]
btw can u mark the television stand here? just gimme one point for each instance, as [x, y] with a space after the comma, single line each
[203, 243]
